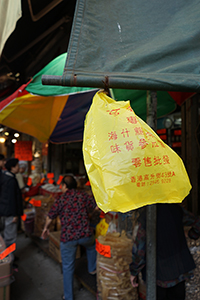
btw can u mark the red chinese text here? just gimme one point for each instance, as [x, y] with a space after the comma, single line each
[114, 112]
[143, 143]
[166, 159]
[115, 148]
[112, 135]
[132, 120]
[157, 161]
[153, 178]
[125, 132]
[136, 162]
[129, 146]
[138, 131]
[155, 144]
[148, 135]
[147, 161]
[129, 108]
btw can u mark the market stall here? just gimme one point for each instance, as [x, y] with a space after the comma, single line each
[156, 55]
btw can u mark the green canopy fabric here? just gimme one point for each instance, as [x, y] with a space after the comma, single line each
[140, 44]
[55, 67]
[165, 103]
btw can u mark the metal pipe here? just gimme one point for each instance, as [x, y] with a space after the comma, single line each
[151, 213]
[51, 80]
[118, 81]
[44, 11]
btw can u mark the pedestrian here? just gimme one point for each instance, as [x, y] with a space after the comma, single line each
[174, 262]
[72, 208]
[11, 204]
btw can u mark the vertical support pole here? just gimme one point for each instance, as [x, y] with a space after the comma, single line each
[49, 162]
[151, 212]
[190, 148]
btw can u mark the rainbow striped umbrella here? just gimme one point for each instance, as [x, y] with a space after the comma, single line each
[49, 113]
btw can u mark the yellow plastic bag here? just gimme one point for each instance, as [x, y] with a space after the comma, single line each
[128, 165]
[101, 228]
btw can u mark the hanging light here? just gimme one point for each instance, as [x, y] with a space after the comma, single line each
[6, 133]
[2, 140]
[16, 134]
[14, 141]
[37, 154]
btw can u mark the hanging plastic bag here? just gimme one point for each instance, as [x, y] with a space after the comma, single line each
[101, 228]
[128, 165]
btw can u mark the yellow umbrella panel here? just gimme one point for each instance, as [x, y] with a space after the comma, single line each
[32, 114]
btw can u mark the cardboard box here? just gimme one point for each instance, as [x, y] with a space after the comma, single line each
[54, 246]
[5, 272]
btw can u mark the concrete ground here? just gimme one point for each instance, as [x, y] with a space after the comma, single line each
[39, 277]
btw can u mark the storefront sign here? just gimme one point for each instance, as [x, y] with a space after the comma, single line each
[23, 150]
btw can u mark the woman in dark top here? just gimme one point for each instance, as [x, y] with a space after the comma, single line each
[72, 208]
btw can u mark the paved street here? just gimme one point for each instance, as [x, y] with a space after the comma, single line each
[39, 276]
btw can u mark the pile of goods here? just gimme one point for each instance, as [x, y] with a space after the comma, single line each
[113, 275]
[50, 189]
[36, 166]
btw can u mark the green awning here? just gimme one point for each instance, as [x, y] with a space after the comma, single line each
[140, 44]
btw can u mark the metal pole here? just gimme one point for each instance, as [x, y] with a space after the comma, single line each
[118, 82]
[151, 212]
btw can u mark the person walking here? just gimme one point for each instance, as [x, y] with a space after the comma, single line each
[11, 204]
[72, 208]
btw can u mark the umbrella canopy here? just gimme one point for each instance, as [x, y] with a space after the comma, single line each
[48, 113]
[57, 113]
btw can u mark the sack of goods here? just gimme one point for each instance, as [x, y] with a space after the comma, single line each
[113, 274]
